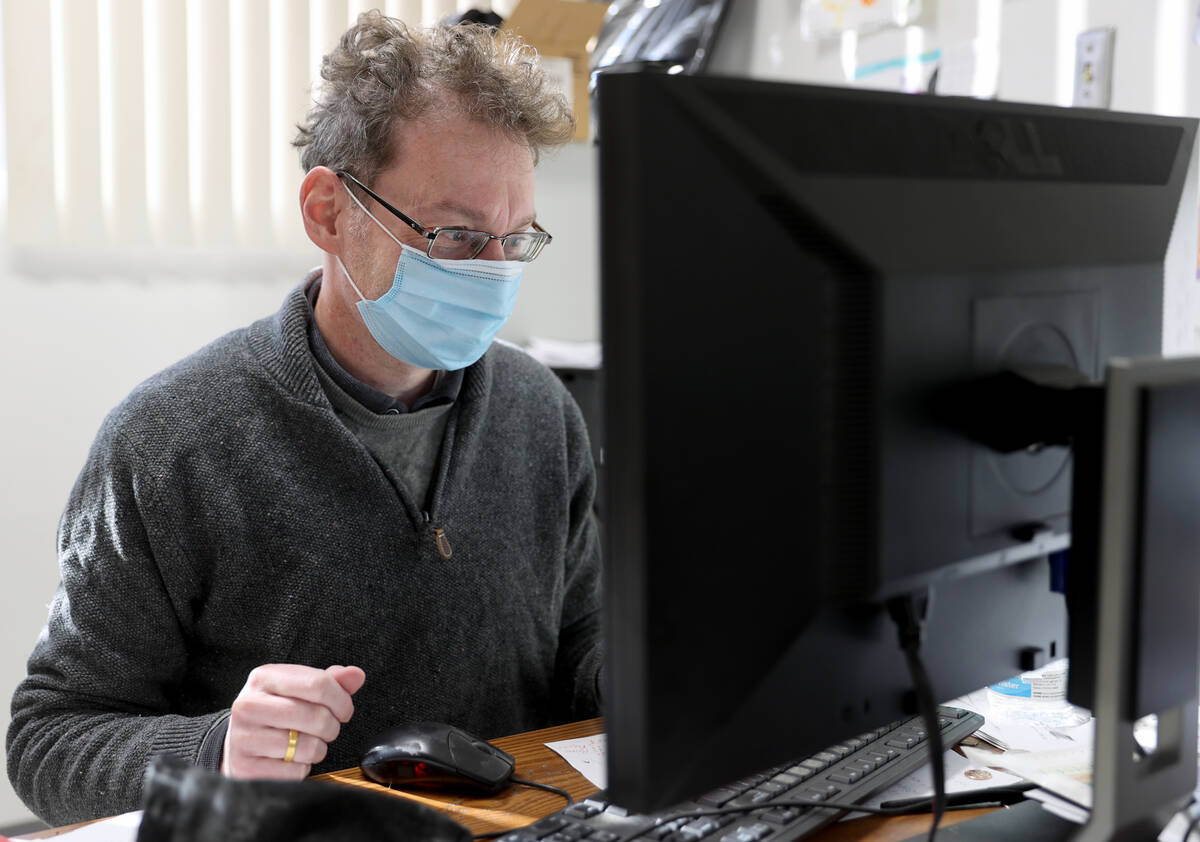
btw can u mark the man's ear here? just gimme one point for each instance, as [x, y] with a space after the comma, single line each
[321, 203]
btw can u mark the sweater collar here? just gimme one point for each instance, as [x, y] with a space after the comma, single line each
[280, 343]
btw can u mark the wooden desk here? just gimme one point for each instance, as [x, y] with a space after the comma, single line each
[519, 806]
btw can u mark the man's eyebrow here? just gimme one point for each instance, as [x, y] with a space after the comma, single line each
[473, 219]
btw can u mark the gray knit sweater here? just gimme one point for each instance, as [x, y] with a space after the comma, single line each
[225, 518]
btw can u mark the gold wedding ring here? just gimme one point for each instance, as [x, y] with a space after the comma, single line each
[293, 738]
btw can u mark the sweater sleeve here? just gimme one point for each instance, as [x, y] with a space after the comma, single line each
[580, 648]
[92, 710]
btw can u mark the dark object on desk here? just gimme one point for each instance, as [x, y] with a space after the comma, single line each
[183, 803]
[434, 755]
[992, 796]
[1024, 822]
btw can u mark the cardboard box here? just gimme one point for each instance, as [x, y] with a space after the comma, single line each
[563, 32]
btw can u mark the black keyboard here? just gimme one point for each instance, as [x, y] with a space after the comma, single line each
[851, 772]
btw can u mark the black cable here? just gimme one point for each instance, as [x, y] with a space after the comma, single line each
[547, 787]
[908, 612]
[1191, 828]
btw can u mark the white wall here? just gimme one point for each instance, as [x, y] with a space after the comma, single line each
[560, 292]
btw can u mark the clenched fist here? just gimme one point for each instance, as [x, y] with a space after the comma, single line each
[278, 699]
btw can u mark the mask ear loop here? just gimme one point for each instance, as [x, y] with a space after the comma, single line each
[363, 207]
[350, 193]
[346, 272]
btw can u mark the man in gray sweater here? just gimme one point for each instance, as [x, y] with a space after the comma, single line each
[359, 511]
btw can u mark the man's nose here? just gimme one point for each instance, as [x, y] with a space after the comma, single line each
[492, 251]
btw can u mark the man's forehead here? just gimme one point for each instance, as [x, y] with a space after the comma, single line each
[454, 170]
[450, 209]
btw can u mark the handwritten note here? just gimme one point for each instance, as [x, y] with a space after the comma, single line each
[586, 755]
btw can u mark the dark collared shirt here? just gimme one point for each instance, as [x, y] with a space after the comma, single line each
[445, 385]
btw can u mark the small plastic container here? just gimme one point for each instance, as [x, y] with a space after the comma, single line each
[1039, 696]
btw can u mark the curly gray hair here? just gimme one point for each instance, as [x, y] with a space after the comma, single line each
[382, 72]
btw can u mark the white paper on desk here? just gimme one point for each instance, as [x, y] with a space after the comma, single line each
[1176, 828]
[123, 828]
[586, 755]
[1059, 806]
[1066, 772]
[1022, 735]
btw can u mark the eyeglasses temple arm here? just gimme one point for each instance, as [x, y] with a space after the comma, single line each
[403, 217]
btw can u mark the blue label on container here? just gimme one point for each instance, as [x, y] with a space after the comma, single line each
[1014, 687]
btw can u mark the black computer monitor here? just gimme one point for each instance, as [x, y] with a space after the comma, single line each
[794, 279]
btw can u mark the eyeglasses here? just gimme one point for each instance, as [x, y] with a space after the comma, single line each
[454, 242]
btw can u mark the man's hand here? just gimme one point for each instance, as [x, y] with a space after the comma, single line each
[279, 698]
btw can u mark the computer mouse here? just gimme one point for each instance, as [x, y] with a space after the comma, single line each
[435, 755]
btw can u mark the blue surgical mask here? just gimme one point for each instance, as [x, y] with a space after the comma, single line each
[439, 314]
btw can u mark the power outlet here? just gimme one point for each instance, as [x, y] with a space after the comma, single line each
[1094, 51]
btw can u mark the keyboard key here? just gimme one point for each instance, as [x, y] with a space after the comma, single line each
[548, 825]
[719, 797]
[699, 828]
[749, 799]
[783, 815]
[748, 833]
[583, 810]
[828, 790]
[603, 836]
[845, 776]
